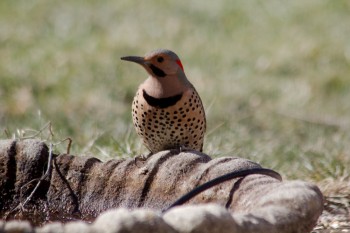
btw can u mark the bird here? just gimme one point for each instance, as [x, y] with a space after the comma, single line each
[167, 111]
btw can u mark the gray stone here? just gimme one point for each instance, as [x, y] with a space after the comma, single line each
[208, 218]
[124, 221]
[77, 227]
[16, 226]
[288, 208]
[55, 227]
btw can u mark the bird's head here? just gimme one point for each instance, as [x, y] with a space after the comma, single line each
[159, 63]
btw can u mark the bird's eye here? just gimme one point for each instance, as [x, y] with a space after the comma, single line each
[160, 59]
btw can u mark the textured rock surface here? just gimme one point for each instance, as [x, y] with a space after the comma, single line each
[81, 188]
[137, 221]
[18, 227]
[201, 218]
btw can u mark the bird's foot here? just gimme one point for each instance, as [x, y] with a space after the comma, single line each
[181, 148]
[142, 157]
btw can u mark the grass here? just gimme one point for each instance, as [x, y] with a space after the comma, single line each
[273, 76]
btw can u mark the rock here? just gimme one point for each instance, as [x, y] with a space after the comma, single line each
[16, 226]
[209, 218]
[288, 207]
[55, 227]
[124, 221]
[77, 227]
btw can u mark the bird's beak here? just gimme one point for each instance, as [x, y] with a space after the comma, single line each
[136, 59]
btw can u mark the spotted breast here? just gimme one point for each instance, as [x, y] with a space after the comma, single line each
[172, 122]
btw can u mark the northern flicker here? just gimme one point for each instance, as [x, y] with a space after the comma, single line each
[167, 111]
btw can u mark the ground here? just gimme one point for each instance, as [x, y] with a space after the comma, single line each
[273, 77]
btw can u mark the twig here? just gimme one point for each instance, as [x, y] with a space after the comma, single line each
[6, 133]
[49, 168]
[69, 143]
[48, 171]
[47, 125]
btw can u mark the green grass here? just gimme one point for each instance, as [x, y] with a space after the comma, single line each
[274, 75]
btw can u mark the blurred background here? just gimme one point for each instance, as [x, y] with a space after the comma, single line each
[274, 76]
